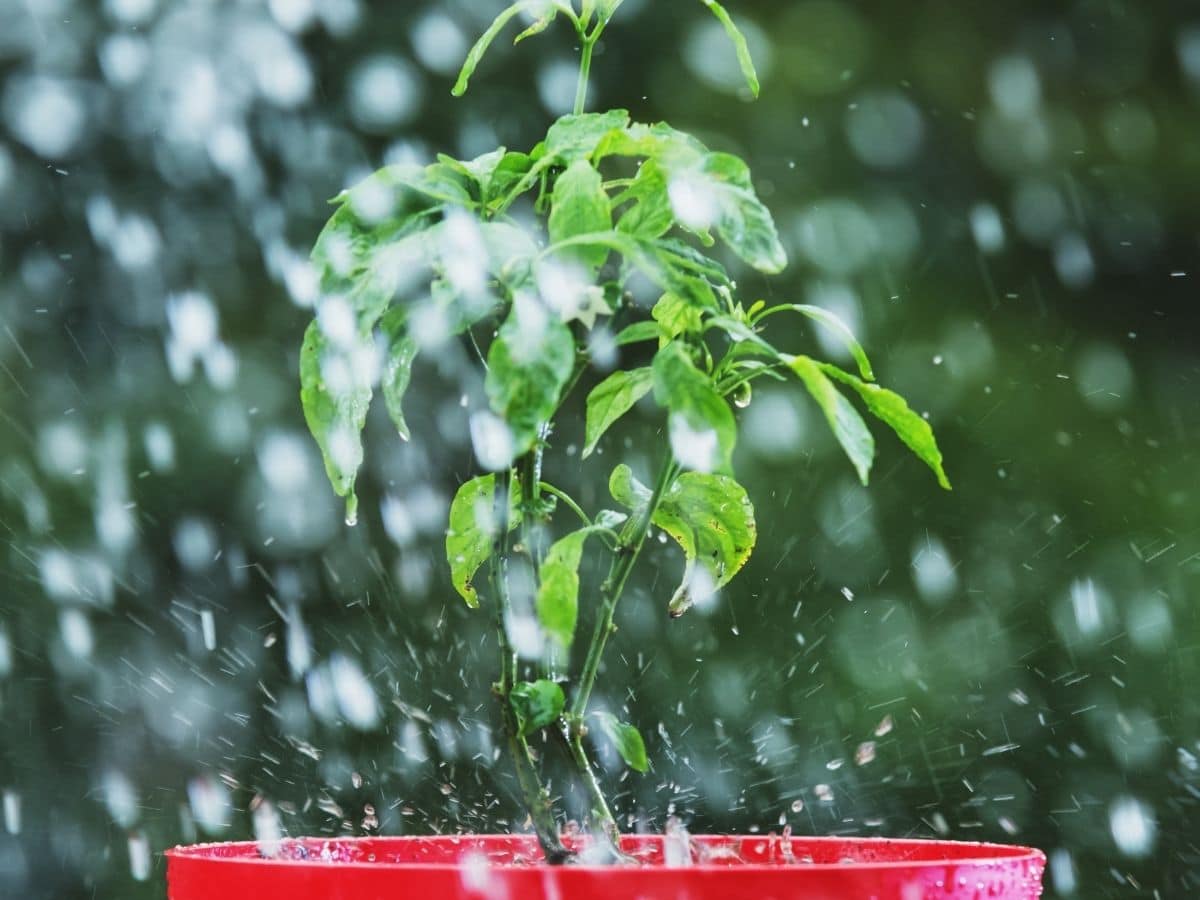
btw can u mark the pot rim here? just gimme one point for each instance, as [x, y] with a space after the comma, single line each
[245, 853]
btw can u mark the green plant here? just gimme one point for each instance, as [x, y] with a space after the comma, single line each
[413, 251]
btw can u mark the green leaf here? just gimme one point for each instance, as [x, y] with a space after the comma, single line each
[539, 25]
[479, 171]
[575, 137]
[481, 46]
[397, 366]
[648, 214]
[509, 172]
[611, 519]
[845, 422]
[442, 182]
[667, 147]
[709, 516]
[336, 394]
[638, 332]
[511, 250]
[634, 252]
[686, 258]
[611, 399]
[473, 531]
[606, 9]
[742, 335]
[675, 316]
[627, 490]
[892, 409]
[838, 327]
[658, 266]
[529, 364]
[739, 44]
[536, 704]
[558, 592]
[367, 261]
[742, 221]
[579, 205]
[627, 740]
[701, 424]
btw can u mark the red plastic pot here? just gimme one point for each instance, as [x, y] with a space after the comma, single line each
[510, 868]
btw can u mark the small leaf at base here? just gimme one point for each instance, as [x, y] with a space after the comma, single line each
[536, 704]
[627, 740]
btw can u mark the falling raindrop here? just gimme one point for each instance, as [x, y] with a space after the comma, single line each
[11, 802]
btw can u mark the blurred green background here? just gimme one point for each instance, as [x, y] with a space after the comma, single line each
[1002, 199]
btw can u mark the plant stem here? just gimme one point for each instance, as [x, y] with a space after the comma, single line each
[568, 502]
[531, 491]
[572, 728]
[572, 736]
[614, 585]
[585, 68]
[535, 796]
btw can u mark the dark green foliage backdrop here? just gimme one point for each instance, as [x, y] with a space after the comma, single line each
[1003, 199]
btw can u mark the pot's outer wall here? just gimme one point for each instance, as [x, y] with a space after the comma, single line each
[480, 868]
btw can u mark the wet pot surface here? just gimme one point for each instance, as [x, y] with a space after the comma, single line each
[510, 868]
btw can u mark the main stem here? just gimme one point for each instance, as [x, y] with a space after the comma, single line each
[574, 729]
[536, 797]
[585, 68]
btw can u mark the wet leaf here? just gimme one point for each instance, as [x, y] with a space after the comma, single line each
[845, 422]
[509, 172]
[576, 137]
[580, 205]
[743, 222]
[892, 409]
[611, 399]
[739, 44]
[558, 593]
[701, 424]
[627, 740]
[606, 9]
[667, 147]
[647, 210]
[336, 395]
[479, 171]
[685, 258]
[529, 364]
[709, 516]
[676, 316]
[539, 25]
[838, 327]
[366, 262]
[536, 704]
[473, 529]
[638, 332]
[480, 48]
[400, 352]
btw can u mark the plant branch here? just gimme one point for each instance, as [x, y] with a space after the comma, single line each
[571, 727]
[531, 489]
[626, 556]
[570, 503]
[533, 793]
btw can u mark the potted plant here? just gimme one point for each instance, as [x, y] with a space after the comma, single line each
[533, 260]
